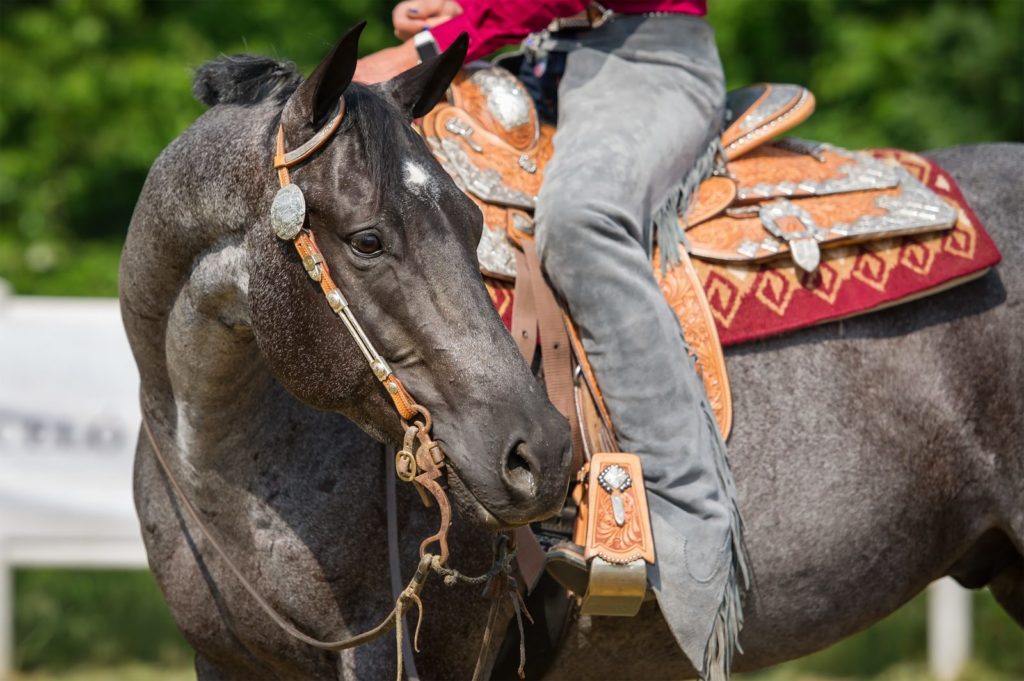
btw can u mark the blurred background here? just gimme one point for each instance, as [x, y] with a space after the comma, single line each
[92, 91]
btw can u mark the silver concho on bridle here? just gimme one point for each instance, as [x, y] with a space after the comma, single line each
[288, 212]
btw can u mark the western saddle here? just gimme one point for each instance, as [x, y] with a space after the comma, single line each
[768, 199]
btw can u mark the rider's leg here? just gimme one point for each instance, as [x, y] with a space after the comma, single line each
[638, 103]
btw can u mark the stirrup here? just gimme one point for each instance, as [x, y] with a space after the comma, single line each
[610, 571]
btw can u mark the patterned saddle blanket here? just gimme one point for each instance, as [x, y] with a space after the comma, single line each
[785, 233]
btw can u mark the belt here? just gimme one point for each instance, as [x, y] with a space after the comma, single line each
[593, 16]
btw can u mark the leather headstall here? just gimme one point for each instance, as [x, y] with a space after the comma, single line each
[288, 218]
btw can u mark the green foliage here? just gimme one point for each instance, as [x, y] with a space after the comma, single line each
[916, 75]
[91, 91]
[100, 617]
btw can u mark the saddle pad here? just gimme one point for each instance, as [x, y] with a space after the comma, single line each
[754, 301]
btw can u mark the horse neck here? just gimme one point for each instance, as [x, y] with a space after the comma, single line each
[184, 282]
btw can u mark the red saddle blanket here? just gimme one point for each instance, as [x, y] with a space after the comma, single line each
[751, 301]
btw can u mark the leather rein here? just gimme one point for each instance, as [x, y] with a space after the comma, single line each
[420, 461]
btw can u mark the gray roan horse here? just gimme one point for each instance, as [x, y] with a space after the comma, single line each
[872, 456]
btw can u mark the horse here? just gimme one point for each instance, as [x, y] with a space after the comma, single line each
[871, 456]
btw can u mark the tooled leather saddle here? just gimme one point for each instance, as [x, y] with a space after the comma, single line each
[769, 200]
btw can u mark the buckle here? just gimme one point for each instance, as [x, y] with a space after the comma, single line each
[598, 14]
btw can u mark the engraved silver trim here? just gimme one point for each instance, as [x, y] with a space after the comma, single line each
[863, 172]
[778, 96]
[494, 253]
[914, 209]
[614, 477]
[457, 126]
[765, 130]
[485, 184]
[522, 223]
[527, 163]
[507, 100]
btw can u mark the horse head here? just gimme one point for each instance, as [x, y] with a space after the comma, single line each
[400, 241]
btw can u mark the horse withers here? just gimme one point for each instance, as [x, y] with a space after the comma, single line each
[251, 386]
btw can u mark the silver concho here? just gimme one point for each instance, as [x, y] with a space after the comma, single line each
[288, 212]
[614, 479]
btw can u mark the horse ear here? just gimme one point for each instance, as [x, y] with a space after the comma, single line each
[316, 98]
[417, 90]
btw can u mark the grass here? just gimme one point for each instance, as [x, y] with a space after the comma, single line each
[124, 672]
[65, 619]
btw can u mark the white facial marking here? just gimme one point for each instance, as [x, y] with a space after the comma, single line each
[415, 174]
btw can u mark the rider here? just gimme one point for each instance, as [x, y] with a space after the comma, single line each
[640, 101]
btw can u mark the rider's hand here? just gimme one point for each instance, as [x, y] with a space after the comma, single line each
[412, 16]
[386, 64]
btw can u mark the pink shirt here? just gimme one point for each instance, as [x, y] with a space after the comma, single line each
[495, 23]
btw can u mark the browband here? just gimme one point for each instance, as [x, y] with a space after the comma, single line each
[300, 153]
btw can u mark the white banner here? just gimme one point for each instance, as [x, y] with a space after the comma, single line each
[68, 424]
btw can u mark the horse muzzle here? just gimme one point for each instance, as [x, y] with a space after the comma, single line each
[525, 481]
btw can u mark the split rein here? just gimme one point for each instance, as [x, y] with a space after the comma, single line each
[408, 596]
[420, 461]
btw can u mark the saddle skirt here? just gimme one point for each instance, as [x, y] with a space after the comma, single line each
[784, 206]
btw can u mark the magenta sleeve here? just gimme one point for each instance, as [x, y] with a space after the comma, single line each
[495, 23]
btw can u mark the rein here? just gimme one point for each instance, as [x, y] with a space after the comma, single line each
[420, 461]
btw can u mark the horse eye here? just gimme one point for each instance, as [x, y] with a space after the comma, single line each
[367, 243]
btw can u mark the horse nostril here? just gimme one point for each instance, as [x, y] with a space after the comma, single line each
[518, 471]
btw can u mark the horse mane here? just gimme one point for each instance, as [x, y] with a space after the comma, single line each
[244, 79]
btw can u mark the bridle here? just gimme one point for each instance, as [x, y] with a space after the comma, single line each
[288, 218]
[420, 460]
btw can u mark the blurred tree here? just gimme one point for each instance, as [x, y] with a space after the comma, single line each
[92, 90]
[918, 75]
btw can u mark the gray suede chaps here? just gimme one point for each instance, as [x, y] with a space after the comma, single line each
[638, 103]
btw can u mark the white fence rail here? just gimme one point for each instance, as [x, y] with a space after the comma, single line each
[69, 420]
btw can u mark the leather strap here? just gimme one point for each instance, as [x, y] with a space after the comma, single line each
[411, 591]
[283, 161]
[395, 571]
[535, 306]
[556, 354]
[588, 376]
[318, 270]
[524, 311]
[529, 557]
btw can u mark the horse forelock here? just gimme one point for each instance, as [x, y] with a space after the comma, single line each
[375, 121]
